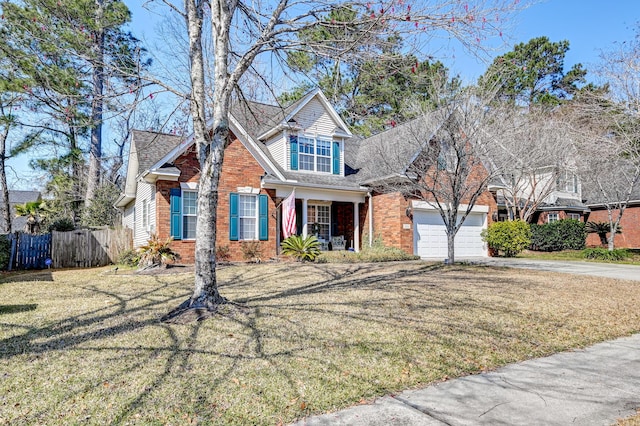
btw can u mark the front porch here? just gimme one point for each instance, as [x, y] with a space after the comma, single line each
[336, 218]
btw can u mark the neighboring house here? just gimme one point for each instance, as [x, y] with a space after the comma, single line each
[20, 197]
[556, 196]
[305, 146]
[630, 222]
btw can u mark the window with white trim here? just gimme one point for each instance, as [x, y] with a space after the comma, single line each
[574, 216]
[567, 182]
[319, 217]
[247, 217]
[145, 214]
[552, 217]
[189, 214]
[314, 154]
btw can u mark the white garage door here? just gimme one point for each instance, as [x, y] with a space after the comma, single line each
[430, 238]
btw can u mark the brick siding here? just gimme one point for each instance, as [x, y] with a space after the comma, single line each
[630, 236]
[239, 169]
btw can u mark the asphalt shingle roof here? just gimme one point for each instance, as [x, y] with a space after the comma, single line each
[151, 147]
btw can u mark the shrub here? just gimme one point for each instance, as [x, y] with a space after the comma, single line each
[129, 258]
[223, 254]
[156, 252]
[602, 229]
[378, 252]
[303, 249]
[63, 224]
[567, 234]
[251, 251]
[604, 254]
[508, 237]
[5, 252]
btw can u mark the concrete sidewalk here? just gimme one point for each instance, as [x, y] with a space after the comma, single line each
[594, 386]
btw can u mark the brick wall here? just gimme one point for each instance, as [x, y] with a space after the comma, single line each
[630, 236]
[239, 169]
[389, 216]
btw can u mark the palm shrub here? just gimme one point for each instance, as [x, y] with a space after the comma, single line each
[602, 229]
[510, 237]
[303, 249]
[156, 252]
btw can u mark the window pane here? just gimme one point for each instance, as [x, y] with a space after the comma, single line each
[189, 227]
[247, 205]
[306, 145]
[324, 164]
[305, 162]
[324, 148]
[189, 203]
[247, 228]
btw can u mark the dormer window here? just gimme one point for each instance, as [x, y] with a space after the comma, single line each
[567, 182]
[315, 154]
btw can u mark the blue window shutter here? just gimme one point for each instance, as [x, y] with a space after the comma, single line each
[263, 217]
[234, 228]
[175, 200]
[336, 158]
[293, 143]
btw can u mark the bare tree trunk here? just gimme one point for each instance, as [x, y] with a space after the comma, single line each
[451, 239]
[5, 209]
[95, 152]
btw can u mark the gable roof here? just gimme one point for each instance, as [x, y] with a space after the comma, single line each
[22, 197]
[389, 153]
[151, 146]
[290, 111]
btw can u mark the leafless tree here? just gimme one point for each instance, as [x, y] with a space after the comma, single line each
[535, 147]
[444, 157]
[608, 128]
[241, 31]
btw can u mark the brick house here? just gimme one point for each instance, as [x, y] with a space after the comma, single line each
[630, 222]
[564, 201]
[304, 147]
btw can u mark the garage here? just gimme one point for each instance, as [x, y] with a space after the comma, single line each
[430, 238]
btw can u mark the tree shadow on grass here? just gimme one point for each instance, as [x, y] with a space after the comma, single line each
[13, 309]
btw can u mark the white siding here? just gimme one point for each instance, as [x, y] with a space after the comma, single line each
[146, 191]
[127, 215]
[279, 149]
[314, 119]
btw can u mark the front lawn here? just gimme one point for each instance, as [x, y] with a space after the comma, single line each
[86, 346]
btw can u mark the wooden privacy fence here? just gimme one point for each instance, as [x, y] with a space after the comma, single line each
[81, 248]
[85, 248]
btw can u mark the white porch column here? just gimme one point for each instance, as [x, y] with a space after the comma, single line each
[304, 218]
[356, 226]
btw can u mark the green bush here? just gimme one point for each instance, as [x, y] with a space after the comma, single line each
[63, 224]
[5, 252]
[567, 234]
[604, 254]
[303, 249]
[129, 258]
[510, 237]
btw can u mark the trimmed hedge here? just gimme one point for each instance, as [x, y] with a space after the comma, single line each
[567, 234]
[509, 237]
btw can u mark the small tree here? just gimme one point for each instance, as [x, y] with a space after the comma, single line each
[441, 157]
[36, 213]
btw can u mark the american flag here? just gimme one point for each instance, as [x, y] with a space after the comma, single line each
[289, 215]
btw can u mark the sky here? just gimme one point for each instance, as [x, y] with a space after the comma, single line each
[590, 26]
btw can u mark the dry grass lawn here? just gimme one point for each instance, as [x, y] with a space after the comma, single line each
[86, 346]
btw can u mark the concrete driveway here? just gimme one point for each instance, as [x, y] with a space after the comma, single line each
[608, 270]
